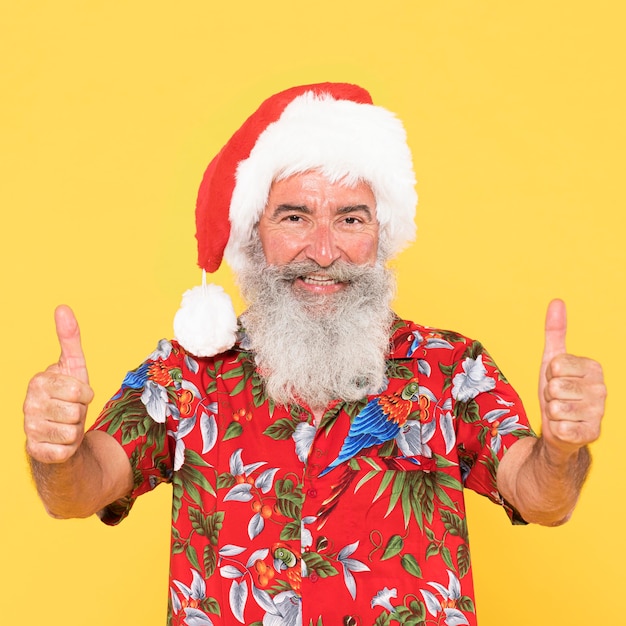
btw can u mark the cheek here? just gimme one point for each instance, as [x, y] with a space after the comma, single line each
[280, 248]
[362, 250]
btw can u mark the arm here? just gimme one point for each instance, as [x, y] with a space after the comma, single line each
[76, 474]
[542, 478]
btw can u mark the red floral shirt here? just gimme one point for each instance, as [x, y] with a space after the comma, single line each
[359, 522]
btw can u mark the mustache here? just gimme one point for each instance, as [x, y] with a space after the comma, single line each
[340, 270]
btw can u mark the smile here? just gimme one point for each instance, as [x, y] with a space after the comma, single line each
[319, 280]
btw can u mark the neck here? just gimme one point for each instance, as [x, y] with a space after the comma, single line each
[317, 416]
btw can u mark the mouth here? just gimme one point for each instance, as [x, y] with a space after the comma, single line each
[318, 280]
[320, 283]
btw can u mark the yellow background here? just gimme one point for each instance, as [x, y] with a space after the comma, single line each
[110, 111]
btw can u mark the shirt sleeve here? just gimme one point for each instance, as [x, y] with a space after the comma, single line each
[142, 417]
[490, 418]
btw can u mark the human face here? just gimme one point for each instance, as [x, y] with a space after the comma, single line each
[308, 218]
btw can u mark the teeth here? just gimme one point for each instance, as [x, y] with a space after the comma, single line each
[318, 280]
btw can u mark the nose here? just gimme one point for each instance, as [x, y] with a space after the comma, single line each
[323, 247]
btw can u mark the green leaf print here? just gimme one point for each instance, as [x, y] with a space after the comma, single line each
[446, 555]
[468, 411]
[319, 565]
[259, 393]
[187, 480]
[453, 523]
[394, 546]
[280, 430]
[234, 430]
[290, 504]
[209, 561]
[446, 370]
[407, 617]
[290, 531]
[210, 605]
[397, 369]
[245, 370]
[177, 496]
[197, 521]
[410, 564]
[466, 604]
[214, 524]
[432, 549]
[463, 559]
[192, 556]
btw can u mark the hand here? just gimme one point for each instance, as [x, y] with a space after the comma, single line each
[571, 390]
[56, 402]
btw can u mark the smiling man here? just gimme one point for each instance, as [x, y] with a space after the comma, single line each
[318, 447]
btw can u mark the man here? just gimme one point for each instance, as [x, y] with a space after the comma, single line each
[317, 457]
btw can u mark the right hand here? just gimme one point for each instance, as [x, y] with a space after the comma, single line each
[56, 402]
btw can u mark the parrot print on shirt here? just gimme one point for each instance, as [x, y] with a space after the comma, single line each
[380, 420]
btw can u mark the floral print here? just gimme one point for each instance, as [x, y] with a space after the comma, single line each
[360, 521]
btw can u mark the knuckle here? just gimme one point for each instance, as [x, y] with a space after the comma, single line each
[559, 363]
[33, 427]
[36, 385]
[560, 409]
[559, 386]
[595, 368]
[73, 413]
[66, 434]
[29, 406]
[53, 454]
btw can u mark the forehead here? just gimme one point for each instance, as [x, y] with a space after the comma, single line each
[315, 190]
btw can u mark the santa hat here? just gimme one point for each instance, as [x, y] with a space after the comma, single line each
[330, 127]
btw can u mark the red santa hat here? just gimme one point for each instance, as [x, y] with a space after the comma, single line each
[331, 127]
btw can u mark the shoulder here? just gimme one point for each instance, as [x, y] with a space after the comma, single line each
[412, 340]
[170, 352]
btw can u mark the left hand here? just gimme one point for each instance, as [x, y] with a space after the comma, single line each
[571, 390]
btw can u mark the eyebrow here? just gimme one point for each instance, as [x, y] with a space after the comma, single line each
[302, 208]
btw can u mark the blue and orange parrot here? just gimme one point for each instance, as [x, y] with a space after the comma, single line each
[379, 421]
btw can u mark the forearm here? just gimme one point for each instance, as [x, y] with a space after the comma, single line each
[541, 483]
[85, 483]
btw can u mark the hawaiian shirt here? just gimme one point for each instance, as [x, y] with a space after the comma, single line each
[358, 522]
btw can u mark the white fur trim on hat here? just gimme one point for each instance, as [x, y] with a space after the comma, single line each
[342, 139]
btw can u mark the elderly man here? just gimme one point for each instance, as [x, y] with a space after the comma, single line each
[318, 450]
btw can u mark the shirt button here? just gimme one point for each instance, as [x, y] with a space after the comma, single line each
[312, 493]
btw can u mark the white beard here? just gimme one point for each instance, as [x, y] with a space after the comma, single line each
[313, 349]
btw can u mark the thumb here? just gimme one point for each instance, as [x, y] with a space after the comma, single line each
[72, 359]
[556, 328]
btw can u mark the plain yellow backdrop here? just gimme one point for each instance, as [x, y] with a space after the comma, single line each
[110, 112]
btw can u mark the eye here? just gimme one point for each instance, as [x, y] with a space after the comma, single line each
[352, 221]
[292, 218]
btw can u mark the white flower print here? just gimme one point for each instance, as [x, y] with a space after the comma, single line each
[450, 595]
[289, 610]
[154, 397]
[303, 436]
[383, 598]
[501, 427]
[473, 381]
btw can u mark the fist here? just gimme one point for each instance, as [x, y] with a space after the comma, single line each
[571, 389]
[56, 401]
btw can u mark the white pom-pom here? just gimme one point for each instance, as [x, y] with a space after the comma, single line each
[206, 324]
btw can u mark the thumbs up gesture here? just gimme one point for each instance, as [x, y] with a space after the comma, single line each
[571, 390]
[56, 402]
